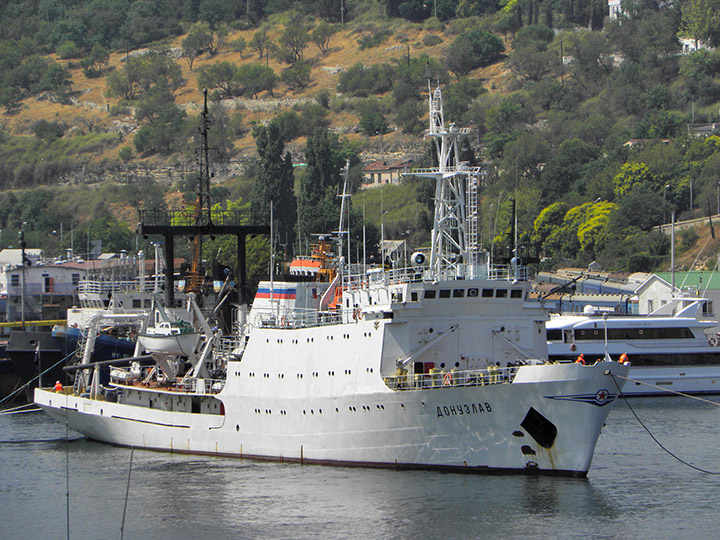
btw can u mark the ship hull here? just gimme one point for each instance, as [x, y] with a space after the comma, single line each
[469, 429]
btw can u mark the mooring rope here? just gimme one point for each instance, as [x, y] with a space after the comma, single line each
[37, 377]
[700, 469]
[127, 493]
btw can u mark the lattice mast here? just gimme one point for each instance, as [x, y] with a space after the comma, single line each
[455, 228]
[201, 206]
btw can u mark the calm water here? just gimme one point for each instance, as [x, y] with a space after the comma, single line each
[634, 490]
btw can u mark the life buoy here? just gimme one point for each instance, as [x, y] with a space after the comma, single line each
[712, 342]
[447, 379]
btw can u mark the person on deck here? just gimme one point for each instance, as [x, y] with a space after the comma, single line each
[624, 358]
[580, 359]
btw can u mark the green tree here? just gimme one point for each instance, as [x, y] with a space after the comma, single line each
[631, 175]
[318, 207]
[138, 75]
[222, 75]
[321, 36]
[96, 61]
[288, 124]
[275, 182]
[372, 120]
[294, 40]
[260, 42]
[701, 21]
[297, 76]
[254, 78]
[198, 40]
[547, 221]
[566, 168]
[473, 49]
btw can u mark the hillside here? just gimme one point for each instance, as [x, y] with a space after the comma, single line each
[589, 131]
[89, 109]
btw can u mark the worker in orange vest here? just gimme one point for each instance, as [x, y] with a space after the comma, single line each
[624, 358]
[58, 387]
[580, 359]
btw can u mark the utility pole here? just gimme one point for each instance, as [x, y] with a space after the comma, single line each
[22, 275]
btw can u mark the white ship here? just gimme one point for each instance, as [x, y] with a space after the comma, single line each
[439, 366]
[669, 349]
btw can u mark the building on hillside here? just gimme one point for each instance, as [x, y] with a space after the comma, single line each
[704, 284]
[614, 8]
[383, 172]
[691, 45]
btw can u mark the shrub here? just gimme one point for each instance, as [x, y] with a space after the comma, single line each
[378, 37]
[362, 81]
[431, 40]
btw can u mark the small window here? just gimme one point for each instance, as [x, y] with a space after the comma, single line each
[15, 280]
[554, 335]
[501, 293]
[413, 296]
[430, 294]
[137, 303]
[516, 293]
[487, 293]
[444, 293]
[458, 293]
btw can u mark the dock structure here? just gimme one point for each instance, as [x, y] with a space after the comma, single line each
[199, 220]
[184, 223]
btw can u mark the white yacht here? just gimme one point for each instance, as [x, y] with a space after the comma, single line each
[439, 366]
[672, 348]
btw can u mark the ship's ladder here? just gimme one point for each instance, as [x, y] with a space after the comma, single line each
[81, 344]
[472, 218]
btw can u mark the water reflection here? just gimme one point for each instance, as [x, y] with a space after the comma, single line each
[175, 497]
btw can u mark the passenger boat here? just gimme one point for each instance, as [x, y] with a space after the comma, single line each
[671, 348]
[438, 366]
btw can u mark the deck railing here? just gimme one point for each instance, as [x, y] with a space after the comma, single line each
[450, 379]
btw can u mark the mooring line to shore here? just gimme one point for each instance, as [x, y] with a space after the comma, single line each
[3, 400]
[18, 409]
[620, 392]
[127, 493]
[37, 409]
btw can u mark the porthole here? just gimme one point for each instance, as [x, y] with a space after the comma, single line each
[237, 427]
